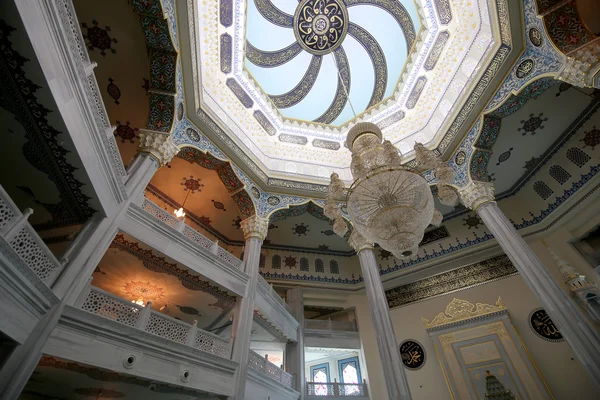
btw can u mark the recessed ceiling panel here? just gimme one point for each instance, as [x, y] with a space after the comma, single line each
[310, 56]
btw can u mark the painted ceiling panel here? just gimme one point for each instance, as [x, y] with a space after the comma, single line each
[528, 133]
[375, 54]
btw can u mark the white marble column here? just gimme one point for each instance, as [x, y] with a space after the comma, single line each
[573, 325]
[389, 353]
[294, 351]
[255, 231]
[17, 369]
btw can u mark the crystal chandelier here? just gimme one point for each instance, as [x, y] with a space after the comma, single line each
[388, 203]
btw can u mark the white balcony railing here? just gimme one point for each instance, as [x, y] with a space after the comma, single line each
[107, 305]
[204, 242]
[337, 389]
[269, 289]
[23, 239]
[329, 325]
[262, 365]
[191, 233]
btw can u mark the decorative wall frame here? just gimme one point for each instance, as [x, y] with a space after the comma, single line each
[470, 339]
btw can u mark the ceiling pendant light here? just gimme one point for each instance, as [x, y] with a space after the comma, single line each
[180, 213]
[388, 203]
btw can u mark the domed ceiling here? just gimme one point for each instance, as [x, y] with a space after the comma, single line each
[309, 57]
[273, 76]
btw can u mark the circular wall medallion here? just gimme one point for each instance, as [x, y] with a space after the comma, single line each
[255, 192]
[192, 135]
[320, 25]
[543, 326]
[412, 354]
[273, 201]
[179, 111]
[460, 158]
[535, 36]
[525, 68]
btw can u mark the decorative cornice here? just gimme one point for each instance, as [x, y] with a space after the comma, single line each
[476, 193]
[255, 227]
[158, 145]
[460, 310]
[461, 278]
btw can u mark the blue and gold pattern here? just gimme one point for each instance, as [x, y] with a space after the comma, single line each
[319, 28]
[436, 50]
[326, 144]
[239, 92]
[270, 59]
[226, 53]
[398, 12]
[301, 140]
[226, 12]
[298, 93]
[273, 14]
[320, 25]
[264, 122]
[377, 58]
[343, 86]
[416, 92]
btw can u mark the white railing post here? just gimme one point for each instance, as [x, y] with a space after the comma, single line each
[14, 226]
[144, 316]
[215, 247]
[181, 225]
[191, 337]
[84, 294]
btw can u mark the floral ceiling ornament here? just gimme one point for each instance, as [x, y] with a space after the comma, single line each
[144, 291]
[388, 203]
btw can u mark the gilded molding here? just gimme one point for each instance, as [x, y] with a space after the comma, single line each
[157, 144]
[460, 310]
[476, 193]
[299, 92]
[255, 226]
[271, 59]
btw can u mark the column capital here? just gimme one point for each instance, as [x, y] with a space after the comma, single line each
[476, 193]
[157, 144]
[255, 226]
[358, 242]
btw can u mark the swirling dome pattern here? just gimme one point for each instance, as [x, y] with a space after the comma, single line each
[308, 55]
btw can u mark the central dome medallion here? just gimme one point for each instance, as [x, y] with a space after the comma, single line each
[320, 25]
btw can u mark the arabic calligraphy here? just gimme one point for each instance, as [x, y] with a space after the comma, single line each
[543, 326]
[412, 354]
[320, 25]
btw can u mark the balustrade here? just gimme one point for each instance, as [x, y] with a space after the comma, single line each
[191, 233]
[107, 305]
[338, 389]
[23, 239]
[264, 366]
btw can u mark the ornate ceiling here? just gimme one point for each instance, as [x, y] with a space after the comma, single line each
[307, 56]
[428, 76]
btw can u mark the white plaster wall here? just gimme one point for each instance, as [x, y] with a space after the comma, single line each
[564, 375]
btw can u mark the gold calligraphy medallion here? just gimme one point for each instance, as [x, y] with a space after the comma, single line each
[320, 25]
